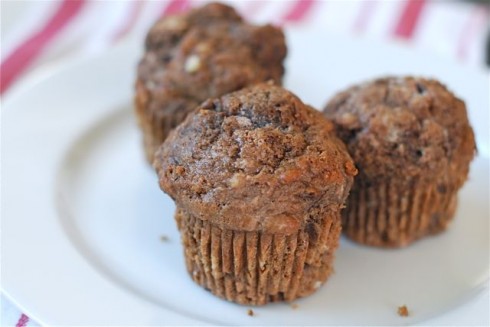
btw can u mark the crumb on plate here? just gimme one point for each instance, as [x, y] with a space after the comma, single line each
[403, 311]
[250, 312]
[164, 238]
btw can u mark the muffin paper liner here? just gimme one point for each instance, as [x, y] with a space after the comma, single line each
[255, 268]
[389, 215]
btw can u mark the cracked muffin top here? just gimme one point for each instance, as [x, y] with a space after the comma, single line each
[255, 159]
[404, 127]
[210, 49]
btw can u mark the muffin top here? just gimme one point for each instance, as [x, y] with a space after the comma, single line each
[404, 127]
[255, 160]
[213, 50]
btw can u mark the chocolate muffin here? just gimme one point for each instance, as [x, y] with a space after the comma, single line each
[412, 143]
[259, 179]
[204, 53]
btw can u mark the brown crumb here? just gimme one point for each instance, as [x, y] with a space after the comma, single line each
[250, 312]
[294, 306]
[164, 238]
[403, 311]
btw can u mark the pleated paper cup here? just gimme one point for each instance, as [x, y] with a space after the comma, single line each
[392, 215]
[254, 268]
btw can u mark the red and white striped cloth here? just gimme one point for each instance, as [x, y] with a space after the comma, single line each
[49, 32]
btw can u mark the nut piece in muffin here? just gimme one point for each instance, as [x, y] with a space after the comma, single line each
[207, 52]
[259, 179]
[412, 143]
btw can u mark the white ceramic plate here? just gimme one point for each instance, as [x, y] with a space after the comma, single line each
[82, 214]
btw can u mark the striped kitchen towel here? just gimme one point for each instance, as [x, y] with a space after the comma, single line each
[46, 32]
[50, 31]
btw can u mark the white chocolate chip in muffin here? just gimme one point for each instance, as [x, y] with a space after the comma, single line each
[192, 64]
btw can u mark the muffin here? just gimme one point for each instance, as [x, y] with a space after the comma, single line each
[411, 141]
[204, 53]
[259, 179]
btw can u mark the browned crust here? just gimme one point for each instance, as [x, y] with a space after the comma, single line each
[404, 128]
[256, 160]
[205, 52]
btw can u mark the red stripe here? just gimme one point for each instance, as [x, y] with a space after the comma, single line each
[365, 15]
[175, 7]
[135, 11]
[20, 59]
[409, 18]
[299, 11]
[23, 320]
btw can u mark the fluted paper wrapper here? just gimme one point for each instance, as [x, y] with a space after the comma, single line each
[388, 215]
[255, 268]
